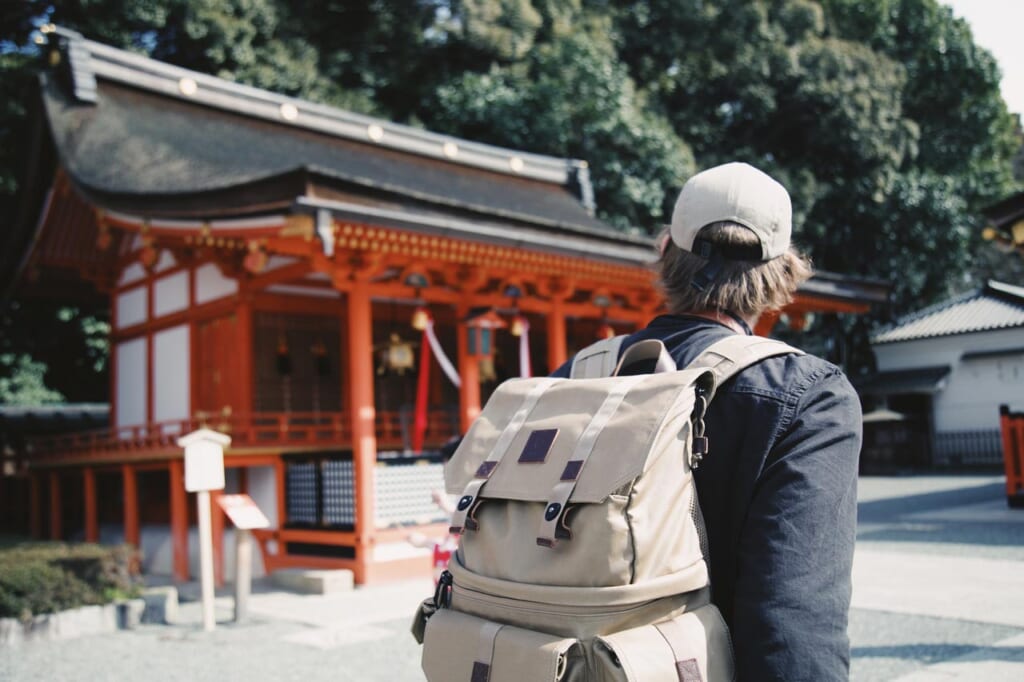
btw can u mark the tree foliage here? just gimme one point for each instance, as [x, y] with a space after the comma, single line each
[51, 353]
[882, 117]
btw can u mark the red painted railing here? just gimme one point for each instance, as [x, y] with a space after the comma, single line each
[1012, 427]
[260, 429]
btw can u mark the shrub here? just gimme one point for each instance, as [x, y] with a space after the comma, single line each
[37, 578]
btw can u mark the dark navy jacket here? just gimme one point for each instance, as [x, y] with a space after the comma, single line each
[778, 489]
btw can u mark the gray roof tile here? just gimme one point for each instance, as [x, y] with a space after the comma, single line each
[995, 306]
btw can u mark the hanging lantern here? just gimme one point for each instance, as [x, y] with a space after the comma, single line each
[420, 318]
[487, 371]
[480, 329]
[605, 331]
[518, 325]
[320, 359]
[284, 359]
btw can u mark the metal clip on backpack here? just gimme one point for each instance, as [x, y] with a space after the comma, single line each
[582, 549]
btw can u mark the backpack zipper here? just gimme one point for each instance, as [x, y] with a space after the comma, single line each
[526, 606]
[443, 592]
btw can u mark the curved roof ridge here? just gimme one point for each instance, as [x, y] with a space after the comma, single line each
[90, 60]
[982, 309]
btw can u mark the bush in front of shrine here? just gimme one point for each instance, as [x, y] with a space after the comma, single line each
[47, 577]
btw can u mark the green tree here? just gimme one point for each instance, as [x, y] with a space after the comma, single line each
[51, 352]
[883, 118]
[570, 97]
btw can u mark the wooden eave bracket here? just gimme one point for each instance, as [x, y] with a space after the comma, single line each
[557, 287]
[470, 279]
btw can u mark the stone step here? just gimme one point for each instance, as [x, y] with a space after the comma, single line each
[314, 581]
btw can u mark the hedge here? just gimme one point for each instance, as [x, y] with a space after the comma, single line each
[46, 577]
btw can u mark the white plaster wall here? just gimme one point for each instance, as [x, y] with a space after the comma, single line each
[132, 380]
[131, 307]
[211, 284]
[170, 294]
[171, 374]
[165, 262]
[263, 491]
[944, 350]
[275, 262]
[132, 273]
[975, 387]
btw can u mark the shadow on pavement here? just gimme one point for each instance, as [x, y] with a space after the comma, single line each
[937, 653]
[890, 509]
[957, 533]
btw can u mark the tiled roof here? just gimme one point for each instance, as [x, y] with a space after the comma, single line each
[136, 134]
[995, 306]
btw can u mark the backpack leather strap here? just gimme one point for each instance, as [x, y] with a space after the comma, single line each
[687, 668]
[485, 652]
[733, 354]
[552, 525]
[471, 494]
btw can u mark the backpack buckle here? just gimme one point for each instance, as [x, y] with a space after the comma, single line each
[699, 442]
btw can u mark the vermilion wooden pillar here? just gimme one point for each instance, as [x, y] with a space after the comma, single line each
[363, 417]
[35, 506]
[217, 528]
[246, 368]
[766, 322]
[92, 526]
[131, 505]
[556, 334]
[55, 511]
[469, 372]
[179, 520]
[279, 482]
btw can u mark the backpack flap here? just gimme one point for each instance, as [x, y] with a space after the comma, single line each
[569, 440]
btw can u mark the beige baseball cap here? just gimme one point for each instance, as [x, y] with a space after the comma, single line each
[739, 193]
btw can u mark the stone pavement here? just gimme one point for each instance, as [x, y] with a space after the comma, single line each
[938, 581]
[938, 596]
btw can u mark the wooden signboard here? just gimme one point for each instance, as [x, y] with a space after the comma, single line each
[243, 512]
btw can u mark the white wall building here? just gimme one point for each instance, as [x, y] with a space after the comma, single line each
[952, 365]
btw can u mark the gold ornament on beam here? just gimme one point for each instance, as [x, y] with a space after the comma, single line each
[103, 236]
[256, 260]
[148, 253]
[396, 355]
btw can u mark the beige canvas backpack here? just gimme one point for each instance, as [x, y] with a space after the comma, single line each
[582, 554]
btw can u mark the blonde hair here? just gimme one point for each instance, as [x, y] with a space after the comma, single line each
[744, 287]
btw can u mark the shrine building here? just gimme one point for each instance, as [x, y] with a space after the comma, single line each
[335, 292]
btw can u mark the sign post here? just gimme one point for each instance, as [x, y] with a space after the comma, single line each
[245, 515]
[204, 471]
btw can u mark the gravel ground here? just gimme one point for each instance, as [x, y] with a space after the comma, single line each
[364, 635]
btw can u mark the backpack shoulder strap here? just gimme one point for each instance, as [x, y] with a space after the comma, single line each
[733, 354]
[597, 360]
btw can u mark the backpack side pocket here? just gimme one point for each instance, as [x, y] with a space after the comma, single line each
[692, 647]
[419, 621]
[458, 647]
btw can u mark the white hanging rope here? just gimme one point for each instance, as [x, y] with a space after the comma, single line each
[442, 359]
[525, 370]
